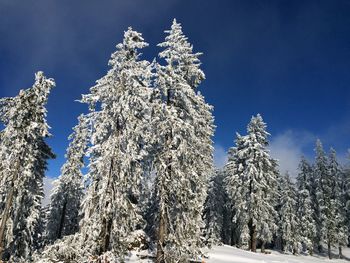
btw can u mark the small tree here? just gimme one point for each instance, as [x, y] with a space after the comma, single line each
[63, 215]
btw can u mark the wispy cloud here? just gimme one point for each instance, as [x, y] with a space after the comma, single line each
[220, 156]
[288, 147]
[48, 185]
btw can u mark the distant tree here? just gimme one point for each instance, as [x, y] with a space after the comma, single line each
[338, 203]
[63, 214]
[252, 185]
[24, 154]
[214, 211]
[320, 175]
[326, 170]
[184, 160]
[346, 201]
[305, 211]
[288, 220]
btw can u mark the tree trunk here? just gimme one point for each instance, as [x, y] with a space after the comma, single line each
[6, 213]
[329, 250]
[107, 236]
[60, 228]
[263, 247]
[161, 238]
[320, 248]
[160, 257]
[252, 244]
[107, 220]
[340, 252]
[232, 241]
[311, 251]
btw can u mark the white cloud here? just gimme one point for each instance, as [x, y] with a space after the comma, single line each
[220, 156]
[48, 185]
[288, 148]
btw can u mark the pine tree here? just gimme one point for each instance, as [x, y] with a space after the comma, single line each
[63, 215]
[120, 111]
[184, 159]
[23, 154]
[346, 185]
[288, 222]
[326, 199]
[305, 210]
[214, 212]
[251, 185]
[320, 174]
[337, 203]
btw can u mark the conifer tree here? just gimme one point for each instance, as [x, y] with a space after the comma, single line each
[326, 198]
[320, 174]
[120, 112]
[63, 215]
[305, 210]
[214, 212]
[337, 203]
[24, 154]
[252, 185]
[288, 222]
[184, 159]
[346, 201]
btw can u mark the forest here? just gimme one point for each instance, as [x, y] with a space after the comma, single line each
[139, 173]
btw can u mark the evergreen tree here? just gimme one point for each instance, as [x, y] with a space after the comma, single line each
[63, 215]
[288, 222]
[305, 210]
[23, 154]
[252, 185]
[320, 174]
[337, 203]
[184, 159]
[214, 212]
[346, 185]
[327, 202]
[120, 112]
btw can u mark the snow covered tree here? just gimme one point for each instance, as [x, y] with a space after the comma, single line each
[24, 154]
[184, 160]
[63, 215]
[215, 208]
[320, 176]
[346, 200]
[252, 186]
[288, 220]
[120, 112]
[327, 201]
[337, 203]
[305, 211]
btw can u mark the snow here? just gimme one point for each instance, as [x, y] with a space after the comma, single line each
[228, 254]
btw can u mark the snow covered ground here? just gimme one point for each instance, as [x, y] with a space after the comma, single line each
[227, 254]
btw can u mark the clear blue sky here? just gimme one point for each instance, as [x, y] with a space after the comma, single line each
[288, 60]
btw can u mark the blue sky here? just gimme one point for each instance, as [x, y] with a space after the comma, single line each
[288, 60]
